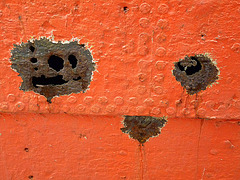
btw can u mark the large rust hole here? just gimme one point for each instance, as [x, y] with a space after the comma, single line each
[142, 128]
[195, 73]
[53, 69]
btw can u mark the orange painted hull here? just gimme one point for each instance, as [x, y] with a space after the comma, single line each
[134, 45]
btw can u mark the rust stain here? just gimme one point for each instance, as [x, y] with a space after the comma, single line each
[142, 128]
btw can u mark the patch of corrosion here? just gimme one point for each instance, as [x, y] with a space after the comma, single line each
[142, 128]
[195, 73]
[53, 69]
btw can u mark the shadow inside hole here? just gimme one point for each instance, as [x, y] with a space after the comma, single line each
[41, 81]
[26, 149]
[73, 61]
[33, 60]
[55, 62]
[190, 67]
[32, 48]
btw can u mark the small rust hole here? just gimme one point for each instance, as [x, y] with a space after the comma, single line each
[125, 9]
[195, 73]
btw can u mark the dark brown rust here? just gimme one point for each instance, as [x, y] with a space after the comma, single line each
[142, 128]
[195, 73]
[53, 69]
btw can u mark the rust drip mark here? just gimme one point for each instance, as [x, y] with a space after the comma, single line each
[195, 73]
[142, 128]
[53, 69]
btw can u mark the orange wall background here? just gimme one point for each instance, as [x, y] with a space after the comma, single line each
[79, 137]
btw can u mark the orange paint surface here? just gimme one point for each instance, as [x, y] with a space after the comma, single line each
[134, 44]
[62, 146]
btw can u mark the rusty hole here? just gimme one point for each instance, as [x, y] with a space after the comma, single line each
[33, 60]
[30, 177]
[195, 73]
[125, 9]
[32, 48]
[26, 149]
[141, 128]
[55, 68]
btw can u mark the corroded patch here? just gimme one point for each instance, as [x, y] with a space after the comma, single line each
[53, 69]
[142, 128]
[195, 73]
